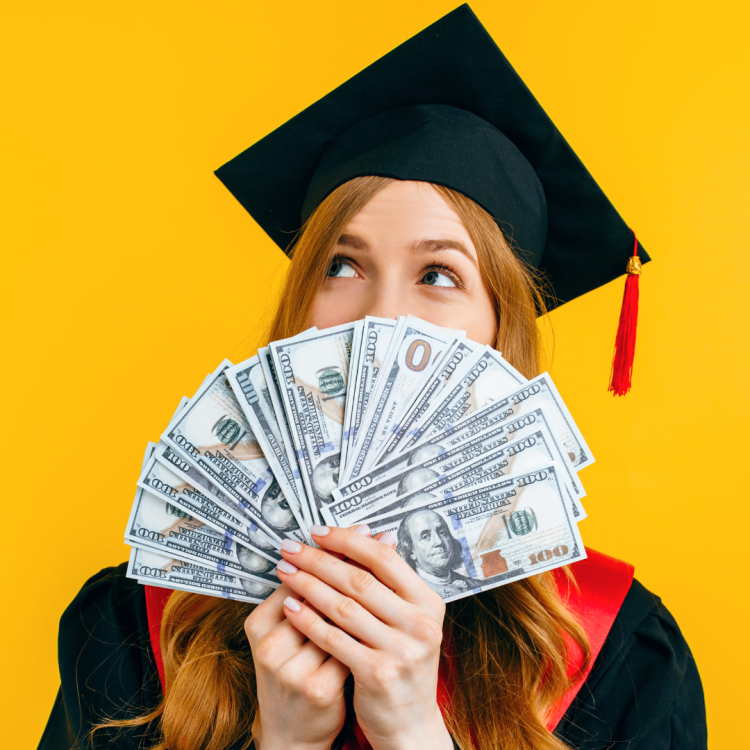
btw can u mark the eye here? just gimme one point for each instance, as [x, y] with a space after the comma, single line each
[340, 268]
[441, 277]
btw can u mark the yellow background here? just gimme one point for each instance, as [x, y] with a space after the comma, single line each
[129, 272]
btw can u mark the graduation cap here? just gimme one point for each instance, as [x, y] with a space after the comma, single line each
[447, 107]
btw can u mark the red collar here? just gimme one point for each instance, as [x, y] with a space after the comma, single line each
[603, 583]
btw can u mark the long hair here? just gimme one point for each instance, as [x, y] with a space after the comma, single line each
[505, 649]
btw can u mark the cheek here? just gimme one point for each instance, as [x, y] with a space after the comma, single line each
[334, 307]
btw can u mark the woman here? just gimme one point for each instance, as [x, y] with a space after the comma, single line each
[417, 201]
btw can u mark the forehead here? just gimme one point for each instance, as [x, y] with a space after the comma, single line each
[408, 211]
[424, 522]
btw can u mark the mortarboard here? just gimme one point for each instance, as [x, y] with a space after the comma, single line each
[447, 107]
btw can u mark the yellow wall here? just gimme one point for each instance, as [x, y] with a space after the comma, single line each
[129, 272]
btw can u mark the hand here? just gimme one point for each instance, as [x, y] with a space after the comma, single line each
[300, 687]
[385, 624]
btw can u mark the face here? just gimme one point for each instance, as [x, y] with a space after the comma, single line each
[325, 478]
[251, 561]
[275, 510]
[407, 252]
[416, 479]
[431, 543]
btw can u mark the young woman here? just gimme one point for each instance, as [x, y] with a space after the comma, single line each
[400, 217]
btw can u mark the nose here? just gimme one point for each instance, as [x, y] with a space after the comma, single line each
[386, 300]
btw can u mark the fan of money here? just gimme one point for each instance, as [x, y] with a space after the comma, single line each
[400, 424]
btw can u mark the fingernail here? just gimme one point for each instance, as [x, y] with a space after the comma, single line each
[388, 538]
[292, 604]
[289, 546]
[286, 567]
[316, 530]
[364, 529]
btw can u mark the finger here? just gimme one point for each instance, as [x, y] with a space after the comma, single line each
[340, 645]
[351, 579]
[384, 562]
[334, 672]
[341, 609]
[307, 659]
[266, 616]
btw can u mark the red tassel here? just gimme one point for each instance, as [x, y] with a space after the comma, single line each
[622, 367]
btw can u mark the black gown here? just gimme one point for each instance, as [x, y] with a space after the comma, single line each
[643, 693]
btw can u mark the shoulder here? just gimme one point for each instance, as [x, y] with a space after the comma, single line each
[644, 688]
[105, 625]
[107, 600]
[106, 663]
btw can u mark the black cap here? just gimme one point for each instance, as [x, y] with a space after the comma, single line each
[444, 107]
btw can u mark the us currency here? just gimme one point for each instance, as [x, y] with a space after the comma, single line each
[313, 370]
[484, 458]
[445, 450]
[148, 566]
[158, 524]
[354, 361]
[415, 354]
[250, 387]
[484, 378]
[453, 364]
[537, 393]
[211, 432]
[171, 478]
[489, 535]
[377, 335]
[277, 409]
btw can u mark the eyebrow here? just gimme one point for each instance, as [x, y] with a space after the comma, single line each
[418, 247]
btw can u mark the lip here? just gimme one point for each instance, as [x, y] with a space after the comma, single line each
[439, 555]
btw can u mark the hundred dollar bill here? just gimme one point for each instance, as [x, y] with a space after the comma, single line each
[277, 410]
[414, 356]
[313, 369]
[487, 457]
[488, 535]
[211, 432]
[484, 378]
[159, 524]
[359, 327]
[537, 393]
[471, 444]
[170, 477]
[453, 364]
[377, 335]
[250, 387]
[148, 566]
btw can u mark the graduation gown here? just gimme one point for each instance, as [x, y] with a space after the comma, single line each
[642, 691]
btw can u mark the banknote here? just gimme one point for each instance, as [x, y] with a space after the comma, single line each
[277, 409]
[467, 447]
[147, 565]
[313, 370]
[414, 355]
[377, 335]
[486, 457]
[170, 477]
[354, 361]
[539, 392]
[483, 379]
[488, 535]
[250, 387]
[451, 365]
[162, 526]
[379, 421]
[212, 433]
